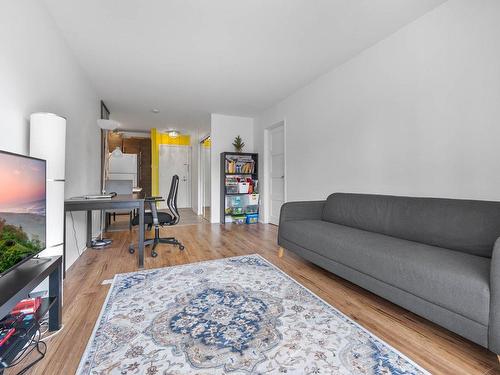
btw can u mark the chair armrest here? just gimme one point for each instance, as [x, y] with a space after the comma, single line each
[312, 210]
[494, 323]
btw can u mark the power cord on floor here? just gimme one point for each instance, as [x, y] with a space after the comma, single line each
[28, 348]
[44, 328]
[37, 342]
[41, 348]
[74, 233]
[34, 343]
[44, 339]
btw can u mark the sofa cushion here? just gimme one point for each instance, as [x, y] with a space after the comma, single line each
[451, 279]
[463, 225]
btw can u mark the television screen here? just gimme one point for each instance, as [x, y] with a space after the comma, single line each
[22, 209]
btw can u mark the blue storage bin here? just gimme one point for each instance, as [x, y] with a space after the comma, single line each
[252, 218]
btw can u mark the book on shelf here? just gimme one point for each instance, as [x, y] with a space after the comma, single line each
[245, 165]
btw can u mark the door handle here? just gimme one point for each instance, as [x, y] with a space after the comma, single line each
[282, 177]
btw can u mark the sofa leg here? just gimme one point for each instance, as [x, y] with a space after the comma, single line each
[281, 251]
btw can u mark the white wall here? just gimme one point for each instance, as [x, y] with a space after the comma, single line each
[38, 73]
[222, 133]
[417, 114]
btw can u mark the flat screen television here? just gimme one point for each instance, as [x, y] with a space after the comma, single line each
[22, 209]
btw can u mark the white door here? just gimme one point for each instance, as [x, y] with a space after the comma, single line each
[277, 172]
[175, 160]
[205, 163]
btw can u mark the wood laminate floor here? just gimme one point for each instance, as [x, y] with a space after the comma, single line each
[434, 348]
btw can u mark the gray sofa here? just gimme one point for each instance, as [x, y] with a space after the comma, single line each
[438, 258]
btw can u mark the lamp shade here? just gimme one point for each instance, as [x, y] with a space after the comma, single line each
[108, 124]
[48, 141]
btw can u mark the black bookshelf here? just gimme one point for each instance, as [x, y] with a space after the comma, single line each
[224, 173]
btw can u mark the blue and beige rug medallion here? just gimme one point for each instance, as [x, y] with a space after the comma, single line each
[237, 315]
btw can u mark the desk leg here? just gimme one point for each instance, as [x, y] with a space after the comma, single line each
[89, 229]
[55, 290]
[64, 244]
[141, 235]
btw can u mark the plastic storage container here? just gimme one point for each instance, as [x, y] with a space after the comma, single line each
[239, 219]
[252, 218]
[243, 187]
[238, 210]
[234, 201]
[253, 199]
[251, 209]
[231, 189]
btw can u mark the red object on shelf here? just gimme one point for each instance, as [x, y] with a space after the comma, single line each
[27, 306]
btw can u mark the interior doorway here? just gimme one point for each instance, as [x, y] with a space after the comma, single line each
[140, 146]
[175, 160]
[275, 171]
[205, 174]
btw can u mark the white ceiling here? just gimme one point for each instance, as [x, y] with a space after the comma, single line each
[190, 58]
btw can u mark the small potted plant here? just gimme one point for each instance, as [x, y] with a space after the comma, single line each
[238, 144]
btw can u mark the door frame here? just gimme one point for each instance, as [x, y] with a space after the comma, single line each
[266, 199]
[190, 170]
[201, 189]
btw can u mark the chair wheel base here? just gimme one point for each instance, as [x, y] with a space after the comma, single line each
[154, 254]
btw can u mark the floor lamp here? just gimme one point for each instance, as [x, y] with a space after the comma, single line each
[106, 126]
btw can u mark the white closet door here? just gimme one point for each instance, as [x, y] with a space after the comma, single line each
[277, 172]
[206, 178]
[175, 160]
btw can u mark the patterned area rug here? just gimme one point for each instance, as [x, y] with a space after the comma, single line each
[237, 315]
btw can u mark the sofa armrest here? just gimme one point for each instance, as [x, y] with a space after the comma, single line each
[312, 210]
[494, 323]
[308, 210]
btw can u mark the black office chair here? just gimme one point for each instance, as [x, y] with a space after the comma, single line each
[160, 219]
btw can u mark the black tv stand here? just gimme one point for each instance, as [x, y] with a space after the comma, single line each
[20, 282]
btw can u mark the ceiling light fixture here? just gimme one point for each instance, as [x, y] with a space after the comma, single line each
[173, 133]
[155, 110]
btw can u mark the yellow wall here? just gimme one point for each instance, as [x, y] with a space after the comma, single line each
[158, 139]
